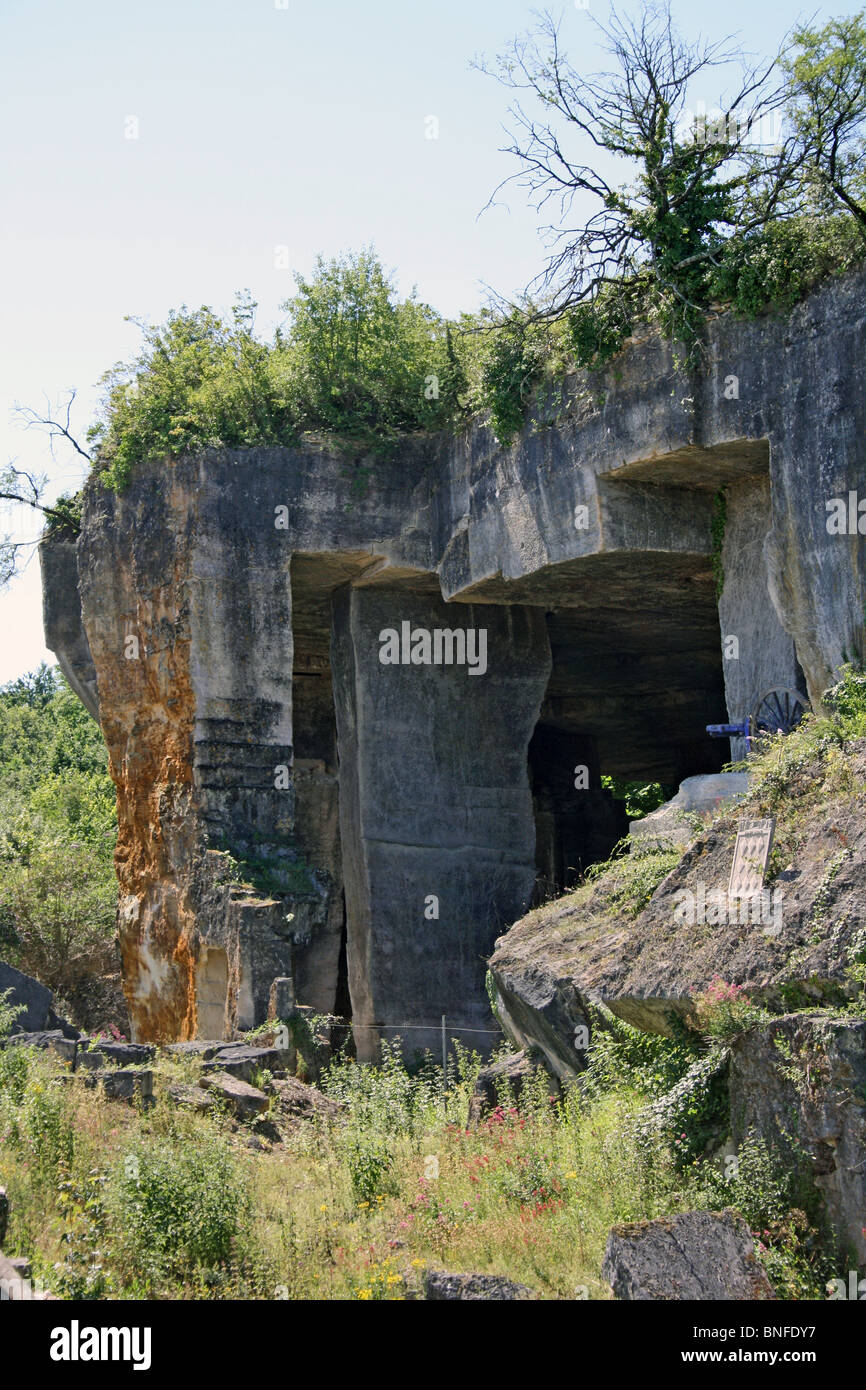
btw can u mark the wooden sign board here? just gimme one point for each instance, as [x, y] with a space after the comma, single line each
[751, 853]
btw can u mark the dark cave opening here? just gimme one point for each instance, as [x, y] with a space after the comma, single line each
[632, 687]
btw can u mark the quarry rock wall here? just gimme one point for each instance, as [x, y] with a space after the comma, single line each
[289, 802]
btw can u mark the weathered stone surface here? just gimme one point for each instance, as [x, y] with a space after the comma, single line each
[441, 1287]
[243, 1100]
[584, 949]
[300, 1102]
[203, 1048]
[61, 615]
[96, 1054]
[228, 687]
[281, 1001]
[192, 1097]
[26, 991]
[801, 1080]
[697, 796]
[53, 1039]
[243, 1062]
[432, 804]
[126, 1083]
[698, 1255]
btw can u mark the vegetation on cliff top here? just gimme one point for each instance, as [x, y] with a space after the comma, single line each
[749, 210]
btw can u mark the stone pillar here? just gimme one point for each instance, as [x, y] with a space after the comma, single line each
[435, 805]
[765, 654]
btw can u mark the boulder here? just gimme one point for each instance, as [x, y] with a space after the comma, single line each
[126, 1083]
[513, 1071]
[53, 1039]
[243, 1100]
[38, 1004]
[800, 1080]
[441, 1287]
[301, 1102]
[243, 1062]
[201, 1048]
[698, 1255]
[35, 998]
[697, 796]
[96, 1054]
[192, 1096]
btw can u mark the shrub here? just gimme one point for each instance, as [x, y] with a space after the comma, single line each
[180, 1205]
[774, 267]
[723, 1011]
[623, 1056]
[353, 359]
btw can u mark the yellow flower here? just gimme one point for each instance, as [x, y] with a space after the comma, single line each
[363, 1204]
[323, 1207]
[571, 1175]
[395, 1279]
[418, 1264]
[365, 1293]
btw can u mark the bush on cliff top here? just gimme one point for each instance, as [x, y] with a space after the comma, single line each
[353, 359]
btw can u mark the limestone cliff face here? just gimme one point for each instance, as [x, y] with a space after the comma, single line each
[289, 803]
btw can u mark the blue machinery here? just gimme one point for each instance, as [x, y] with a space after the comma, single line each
[777, 711]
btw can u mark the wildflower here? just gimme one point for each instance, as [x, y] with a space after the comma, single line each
[571, 1175]
[417, 1264]
[365, 1294]
[323, 1207]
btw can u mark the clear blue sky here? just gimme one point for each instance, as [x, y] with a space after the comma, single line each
[258, 127]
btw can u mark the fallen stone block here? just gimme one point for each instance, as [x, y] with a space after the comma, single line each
[441, 1287]
[192, 1096]
[243, 1100]
[96, 1054]
[697, 796]
[53, 1040]
[202, 1048]
[123, 1083]
[18, 1287]
[35, 998]
[301, 1102]
[697, 1255]
[243, 1061]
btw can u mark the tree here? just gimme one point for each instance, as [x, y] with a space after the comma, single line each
[18, 487]
[826, 93]
[359, 359]
[691, 183]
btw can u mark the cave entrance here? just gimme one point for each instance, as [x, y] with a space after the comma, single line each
[636, 677]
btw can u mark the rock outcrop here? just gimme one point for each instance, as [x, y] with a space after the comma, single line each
[590, 947]
[799, 1081]
[291, 804]
[700, 1255]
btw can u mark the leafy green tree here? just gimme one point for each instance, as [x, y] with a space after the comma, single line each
[826, 96]
[58, 829]
[359, 359]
